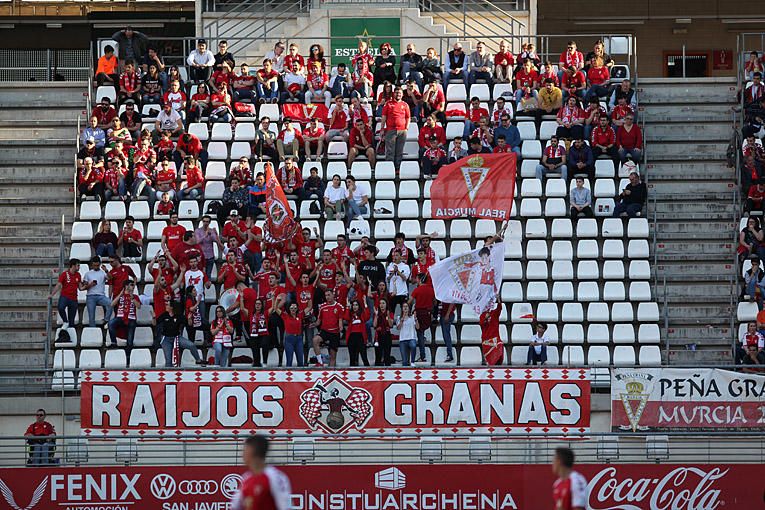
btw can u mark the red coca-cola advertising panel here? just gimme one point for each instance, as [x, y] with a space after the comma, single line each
[386, 487]
[359, 402]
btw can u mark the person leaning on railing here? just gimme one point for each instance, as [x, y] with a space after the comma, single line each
[41, 438]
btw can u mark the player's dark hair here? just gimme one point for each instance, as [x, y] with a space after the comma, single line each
[259, 445]
[565, 456]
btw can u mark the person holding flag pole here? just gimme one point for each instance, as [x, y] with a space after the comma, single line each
[491, 344]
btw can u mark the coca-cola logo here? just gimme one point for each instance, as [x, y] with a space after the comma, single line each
[683, 488]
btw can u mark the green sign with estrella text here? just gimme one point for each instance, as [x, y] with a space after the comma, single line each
[346, 32]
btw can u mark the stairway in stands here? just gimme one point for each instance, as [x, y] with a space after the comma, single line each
[688, 126]
[37, 147]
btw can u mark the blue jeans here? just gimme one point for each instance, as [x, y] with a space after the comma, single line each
[105, 250]
[121, 190]
[596, 91]
[632, 210]
[209, 265]
[221, 354]
[130, 331]
[267, 93]
[355, 210]
[448, 76]
[519, 96]
[190, 195]
[39, 454]
[183, 343]
[298, 97]
[240, 94]
[634, 154]
[91, 302]
[480, 75]
[293, 344]
[406, 74]
[421, 342]
[446, 331]
[408, 350]
[533, 358]
[67, 310]
[542, 170]
[341, 88]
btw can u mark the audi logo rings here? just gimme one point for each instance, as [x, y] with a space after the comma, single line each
[198, 487]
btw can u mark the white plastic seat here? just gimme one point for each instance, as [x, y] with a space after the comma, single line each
[245, 131]
[116, 359]
[573, 355]
[563, 291]
[385, 190]
[470, 356]
[144, 336]
[649, 334]
[624, 355]
[640, 291]
[240, 149]
[411, 228]
[139, 209]
[612, 227]
[555, 188]
[271, 111]
[531, 208]
[81, 251]
[522, 312]
[456, 111]
[649, 356]
[214, 190]
[92, 337]
[115, 210]
[385, 229]
[106, 91]
[604, 188]
[604, 207]
[218, 150]
[588, 291]
[333, 228]
[597, 312]
[586, 228]
[562, 270]
[587, 270]
[529, 167]
[547, 129]
[384, 170]
[639, 270]
[536, 228]
[512, 270]
[188, 210]
[199, 129]
[511, 292]
[221, 131]
[521, 333]
[481, 91]
[537, 291]
[648, 312]
[411, 152]
[613, 249]
[454, 129]
[562, 250]
[470, 334]
[637, 249]
[90, 210]
[547, 312]
[623, 333]
[572, 312]
[598, 356]
[409, 189]
[613, 270]
[459, 247]
[561, 227]
[89, 359]
[598, 334]
[587, 249]
[82, 231]
[461, 229]
[622, 312]
[555, 207]
[536, 270]
[573, 334]
[528, 131]
[531, 188]
[613, 291]
[408, 209]
[604, 169]
[637, 228]
[536, 249]
[361, 170]
[484, 228]
[503, 90]
[456, 92]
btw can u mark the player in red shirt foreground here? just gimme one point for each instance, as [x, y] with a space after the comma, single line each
[263, 487]
[570, 489]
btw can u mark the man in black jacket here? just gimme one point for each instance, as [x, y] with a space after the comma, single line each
[411, 67]
[456, 62]
[132, 44]
[633, 197]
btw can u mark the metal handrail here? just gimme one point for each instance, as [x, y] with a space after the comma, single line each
[48, 322]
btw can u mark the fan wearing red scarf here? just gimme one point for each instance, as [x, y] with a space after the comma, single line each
[491, 344]
[126, 305]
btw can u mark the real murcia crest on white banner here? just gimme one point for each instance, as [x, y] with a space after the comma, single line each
[634, 397]
[36, 495]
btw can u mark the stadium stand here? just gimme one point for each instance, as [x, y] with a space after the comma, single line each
[588, 278]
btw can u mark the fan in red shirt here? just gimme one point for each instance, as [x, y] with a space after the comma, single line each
[570, 489]
[329, 324]
[262, 277]
[420, 270]
[306, 247]
[69, 284]
[571, 57]
[504, 61]
[293, 56]
[232, 272]
[119, 275]
[263, 487]
[304, 291]
[293, 269]
[429, 129]
[526, 80]
[105, 113]
[620, 111]
[342, 254]
[325, 270]
[356, 333]
[754, 199]
[573, 82]
[172, 235]
[235, 227]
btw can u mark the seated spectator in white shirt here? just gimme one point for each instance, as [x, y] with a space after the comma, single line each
[358, 199]
[538, 346]
[201, 62]
[335, 197]
[168, 120]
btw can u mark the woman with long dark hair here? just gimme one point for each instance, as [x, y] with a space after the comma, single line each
[171, 323]
[293, 334]
[383, 322]
[221, 330]
[259, 339]
[316, 54]
[356, 333]
[385, 65]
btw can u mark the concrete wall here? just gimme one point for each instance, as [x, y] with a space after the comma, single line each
[654, 24]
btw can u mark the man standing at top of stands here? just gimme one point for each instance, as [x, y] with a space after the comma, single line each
[132, 44]
[41, 439]
[263, 487]
[570, 489]
[201, 62]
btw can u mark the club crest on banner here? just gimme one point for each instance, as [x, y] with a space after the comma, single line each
[474, 174]
[334, 406]
[36, 495]
[634, 397]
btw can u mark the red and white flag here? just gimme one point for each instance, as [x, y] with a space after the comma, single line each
[471, 278]
[280, 221]
[478, 186]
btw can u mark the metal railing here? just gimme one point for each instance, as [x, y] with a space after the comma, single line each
[44, 65]
[616, 448]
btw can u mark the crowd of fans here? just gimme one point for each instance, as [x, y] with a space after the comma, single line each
[751, 246]
[281, 296]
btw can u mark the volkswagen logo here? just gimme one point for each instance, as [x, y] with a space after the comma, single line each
[163, 486]
[197, 487]
[230, 484]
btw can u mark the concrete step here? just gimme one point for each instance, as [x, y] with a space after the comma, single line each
[59, 191]
[682, 151]
[683, 271]
[671, 204]
[717, 314]
[681, 186]
[698, 171]
[713, 355]
[30, 318]
[42, 213]
[65, 113]
[691, 113]
[23, 359]
[26, 293]
[11, 130]
[36, 272]
[25, 172]
[705, 334]
[22, 339]
[681, 250]
[683, 91]
[683, 229]
[44, 230]
[700, 290]
[32, 95]
[678, 132]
